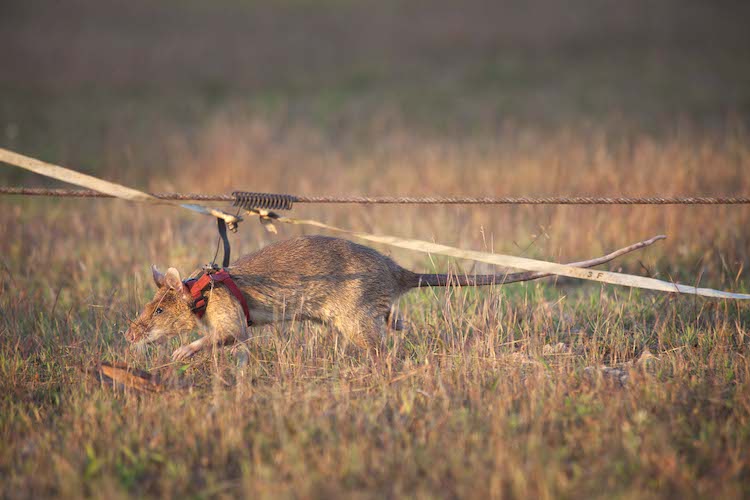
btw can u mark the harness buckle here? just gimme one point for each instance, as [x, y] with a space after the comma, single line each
[212, 268]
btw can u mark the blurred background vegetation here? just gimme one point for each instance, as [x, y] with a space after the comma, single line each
[103, 83]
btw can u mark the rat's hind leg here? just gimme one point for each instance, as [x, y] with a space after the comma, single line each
[366, 332]
[393, 320]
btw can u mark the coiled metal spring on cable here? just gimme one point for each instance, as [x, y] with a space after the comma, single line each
[263, 201]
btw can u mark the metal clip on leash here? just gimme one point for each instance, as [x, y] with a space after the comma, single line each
[213, 267]
[249, 201]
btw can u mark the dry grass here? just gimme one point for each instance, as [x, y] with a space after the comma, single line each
[477, 398]
[494, 392]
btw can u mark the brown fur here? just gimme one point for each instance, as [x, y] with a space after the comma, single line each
[328, 280]
[316, 278]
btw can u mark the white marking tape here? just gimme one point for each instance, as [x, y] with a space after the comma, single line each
[520, 262]
[90, 182]
[126, 193]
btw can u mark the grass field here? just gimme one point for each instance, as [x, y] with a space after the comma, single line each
[550, 389]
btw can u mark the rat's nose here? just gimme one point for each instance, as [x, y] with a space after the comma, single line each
[130, 335]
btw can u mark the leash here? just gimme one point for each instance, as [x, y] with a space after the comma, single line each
[212, 274]
[223, 234]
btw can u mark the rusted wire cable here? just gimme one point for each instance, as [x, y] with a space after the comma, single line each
[88, 193]
[409, 200]
[527, 200]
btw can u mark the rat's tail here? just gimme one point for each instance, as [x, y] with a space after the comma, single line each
[416, 280]
[420, 280]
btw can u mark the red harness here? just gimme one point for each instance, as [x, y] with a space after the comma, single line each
[197, 285]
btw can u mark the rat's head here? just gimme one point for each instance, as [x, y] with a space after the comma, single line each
[167, 315]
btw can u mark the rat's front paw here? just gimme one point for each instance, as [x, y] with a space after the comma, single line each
[183, 353]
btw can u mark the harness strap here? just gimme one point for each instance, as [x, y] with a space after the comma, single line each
[200, 301]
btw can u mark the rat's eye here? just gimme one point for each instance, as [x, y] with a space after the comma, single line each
[159, 310]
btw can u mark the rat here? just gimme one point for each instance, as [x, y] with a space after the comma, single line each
[333, 281]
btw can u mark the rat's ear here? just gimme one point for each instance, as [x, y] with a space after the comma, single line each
[173, 281]
[158, 277]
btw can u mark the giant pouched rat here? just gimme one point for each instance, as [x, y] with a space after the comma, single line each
[329, 280]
